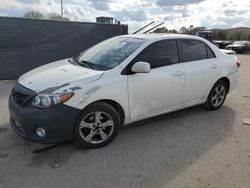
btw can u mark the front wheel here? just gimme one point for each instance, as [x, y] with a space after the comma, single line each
[97, 126]
[217, 95]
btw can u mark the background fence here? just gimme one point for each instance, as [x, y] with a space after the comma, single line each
[27, 43]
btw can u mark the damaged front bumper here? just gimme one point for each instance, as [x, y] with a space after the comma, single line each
[57, 122]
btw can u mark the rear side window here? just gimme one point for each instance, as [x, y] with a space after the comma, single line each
[195, 50]
[210, 53]
[160, 53]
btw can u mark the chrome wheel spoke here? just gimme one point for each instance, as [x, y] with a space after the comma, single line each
[107, 124]
[97, 116]
[216, 90]
[218, 95]
[214, 98]
[222, 92]
[217, 102]
[85, 124]
[103, 135]
[214, 102]
[89, 137]
[96, 127]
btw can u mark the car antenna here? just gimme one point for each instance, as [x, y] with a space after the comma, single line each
[153, 27]
[144, 27]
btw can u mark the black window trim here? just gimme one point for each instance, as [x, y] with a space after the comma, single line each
[125, 71]
[206, 46]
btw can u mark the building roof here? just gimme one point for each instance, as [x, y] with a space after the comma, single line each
[105, 17]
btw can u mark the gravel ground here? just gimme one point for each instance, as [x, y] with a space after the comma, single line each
[189, 148]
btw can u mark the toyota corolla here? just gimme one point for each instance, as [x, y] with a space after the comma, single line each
[116, 82]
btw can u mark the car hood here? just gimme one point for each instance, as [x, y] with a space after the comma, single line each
[58, 75]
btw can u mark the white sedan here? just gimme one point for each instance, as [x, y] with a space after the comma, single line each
[116, 82]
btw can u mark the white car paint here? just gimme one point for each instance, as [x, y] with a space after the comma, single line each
[141, 95]
[57, 75]
[147, 97]
[199, 79]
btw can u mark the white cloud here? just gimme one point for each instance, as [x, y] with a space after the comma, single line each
[176, 2]
[136, 13]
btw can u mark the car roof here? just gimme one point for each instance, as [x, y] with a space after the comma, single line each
[153, 36]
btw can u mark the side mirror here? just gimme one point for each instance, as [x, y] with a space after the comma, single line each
[141, 67]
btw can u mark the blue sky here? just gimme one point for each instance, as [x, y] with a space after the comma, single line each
[136, 13]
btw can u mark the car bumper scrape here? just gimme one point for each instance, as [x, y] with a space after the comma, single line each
[58, 121]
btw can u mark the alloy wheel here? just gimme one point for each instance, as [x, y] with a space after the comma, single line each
[96, 127]
[218, 95]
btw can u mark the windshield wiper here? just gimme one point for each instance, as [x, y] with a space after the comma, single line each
[72, 60]
[89, 64]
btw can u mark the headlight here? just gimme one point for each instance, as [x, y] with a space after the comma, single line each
[47, 100]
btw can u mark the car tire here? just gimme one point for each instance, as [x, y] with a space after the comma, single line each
[216, 96]
[97, 126]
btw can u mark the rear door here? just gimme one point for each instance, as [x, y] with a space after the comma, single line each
[201, 68]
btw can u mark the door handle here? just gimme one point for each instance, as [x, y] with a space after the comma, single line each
[214, 66]
[178, 73]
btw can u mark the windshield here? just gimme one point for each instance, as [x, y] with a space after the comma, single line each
[110, 53]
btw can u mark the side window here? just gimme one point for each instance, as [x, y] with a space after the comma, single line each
[210, 53]
[193, 50]
[159, 54]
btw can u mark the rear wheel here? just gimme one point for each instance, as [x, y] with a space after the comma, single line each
[97, 126]
[217, 95]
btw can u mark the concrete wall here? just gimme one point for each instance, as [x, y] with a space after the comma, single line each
[27, 43]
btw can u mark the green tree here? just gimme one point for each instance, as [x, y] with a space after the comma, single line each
[172, 31]
[164, 30]
[220, 35]
[34, 14]
[161, 30]
[57, 17]
[237, 35]
[191, 30]
[183, 30]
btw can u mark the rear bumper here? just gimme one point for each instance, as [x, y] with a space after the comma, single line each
[233, 78]
[58, 122]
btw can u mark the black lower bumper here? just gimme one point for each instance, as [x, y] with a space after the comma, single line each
[57, 121]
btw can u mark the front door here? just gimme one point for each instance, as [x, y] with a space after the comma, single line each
[160, 89]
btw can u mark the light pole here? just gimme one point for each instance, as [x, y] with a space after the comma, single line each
[62, 8]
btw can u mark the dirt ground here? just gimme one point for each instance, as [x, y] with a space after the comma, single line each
[190, 148]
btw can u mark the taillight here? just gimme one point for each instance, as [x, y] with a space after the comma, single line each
[238, 63]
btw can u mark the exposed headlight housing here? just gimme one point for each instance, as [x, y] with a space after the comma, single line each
[49, 100]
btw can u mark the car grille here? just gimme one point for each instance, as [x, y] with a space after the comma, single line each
[21, 95]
